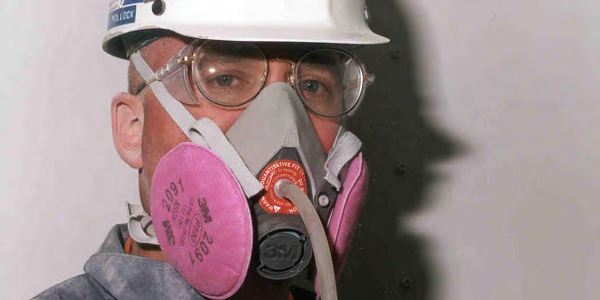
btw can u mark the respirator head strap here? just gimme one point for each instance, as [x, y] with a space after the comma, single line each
[174, 108]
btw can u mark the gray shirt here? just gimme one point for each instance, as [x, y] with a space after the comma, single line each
[112, 274]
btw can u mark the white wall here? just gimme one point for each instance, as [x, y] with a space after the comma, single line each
[61, 183]
[517, 216]
[519, 83]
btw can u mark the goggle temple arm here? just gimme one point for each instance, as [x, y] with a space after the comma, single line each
[175, 76]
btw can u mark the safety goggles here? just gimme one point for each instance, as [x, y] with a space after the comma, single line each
[329, 82]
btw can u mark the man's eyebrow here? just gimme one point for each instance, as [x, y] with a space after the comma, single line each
[324, 68]
[225, 59]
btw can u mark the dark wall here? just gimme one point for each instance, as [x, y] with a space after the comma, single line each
[388, 261]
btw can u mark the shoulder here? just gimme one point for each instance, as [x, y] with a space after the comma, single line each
[79, 287]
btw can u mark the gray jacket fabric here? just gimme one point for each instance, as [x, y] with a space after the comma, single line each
[112, 274]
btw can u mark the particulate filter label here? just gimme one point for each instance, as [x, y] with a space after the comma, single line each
[277, 170]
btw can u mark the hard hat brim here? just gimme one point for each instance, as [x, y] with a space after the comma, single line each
[113, 42]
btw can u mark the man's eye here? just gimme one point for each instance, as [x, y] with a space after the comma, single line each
[310, 86]
[224, 80]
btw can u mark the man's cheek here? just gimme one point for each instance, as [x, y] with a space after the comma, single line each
[326, 130]
[160, 135]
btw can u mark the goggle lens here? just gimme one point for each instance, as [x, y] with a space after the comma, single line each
[230, 74]
[329, 81]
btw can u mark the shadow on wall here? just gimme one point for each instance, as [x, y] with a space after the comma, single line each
[388, 261]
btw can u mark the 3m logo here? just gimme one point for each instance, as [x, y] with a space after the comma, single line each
[169, 233]
[276, 251]
[204, 209]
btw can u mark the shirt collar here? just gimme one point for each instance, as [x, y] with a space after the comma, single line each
[133, 277]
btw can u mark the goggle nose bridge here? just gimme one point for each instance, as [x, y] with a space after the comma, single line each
[290, 77]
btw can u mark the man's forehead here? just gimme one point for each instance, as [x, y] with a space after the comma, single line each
[281, 50]
[288, 50]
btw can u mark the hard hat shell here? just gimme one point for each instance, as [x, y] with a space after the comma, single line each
[306, 21]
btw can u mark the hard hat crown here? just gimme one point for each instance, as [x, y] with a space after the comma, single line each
[307, 21]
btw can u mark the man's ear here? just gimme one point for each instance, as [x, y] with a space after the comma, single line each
[127, 113]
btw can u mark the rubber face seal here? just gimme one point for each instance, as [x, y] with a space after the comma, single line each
[347, 210]
[202, 220]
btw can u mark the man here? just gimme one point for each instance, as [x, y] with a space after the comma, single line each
[233, 118]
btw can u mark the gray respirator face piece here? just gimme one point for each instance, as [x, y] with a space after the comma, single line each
[277, 140]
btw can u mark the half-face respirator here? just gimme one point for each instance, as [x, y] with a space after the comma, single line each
[265, 189]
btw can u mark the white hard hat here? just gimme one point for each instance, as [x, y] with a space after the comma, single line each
[306, 21]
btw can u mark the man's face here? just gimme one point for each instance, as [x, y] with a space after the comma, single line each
[160, 134]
